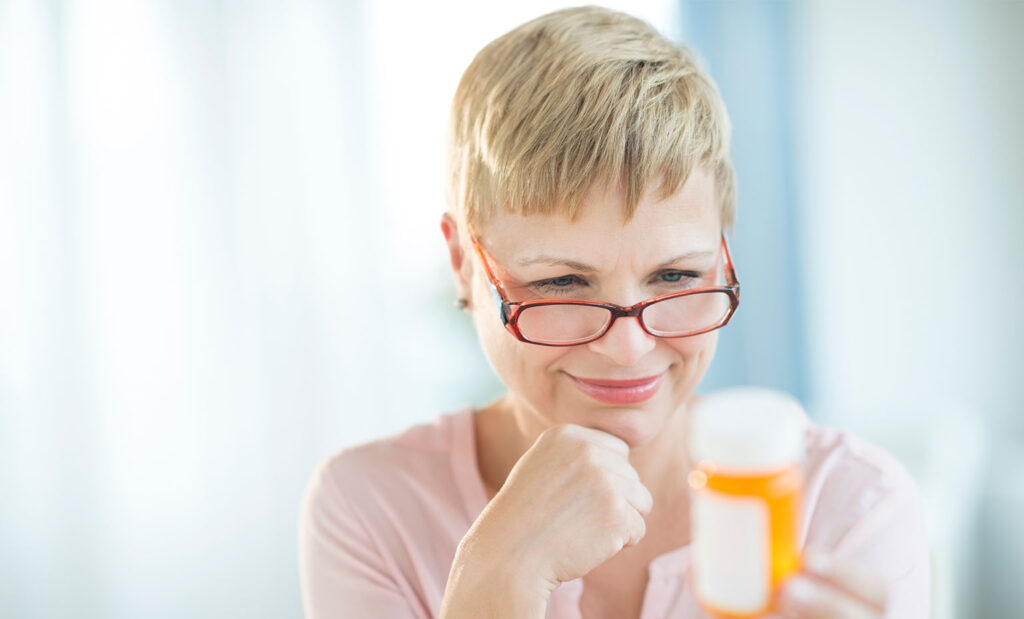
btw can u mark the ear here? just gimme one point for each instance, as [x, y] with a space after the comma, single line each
[462, 266]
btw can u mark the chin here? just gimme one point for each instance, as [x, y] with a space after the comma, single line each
[635, 425]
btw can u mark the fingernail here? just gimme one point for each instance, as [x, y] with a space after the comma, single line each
[816, 562]
[799, 590]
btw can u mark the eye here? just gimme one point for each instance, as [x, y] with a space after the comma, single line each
[561, 282]
[559, 285]
[674, 277]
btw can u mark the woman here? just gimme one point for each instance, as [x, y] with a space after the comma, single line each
[589, 163]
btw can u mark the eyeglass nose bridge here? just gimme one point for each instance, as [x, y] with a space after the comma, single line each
[626, 312]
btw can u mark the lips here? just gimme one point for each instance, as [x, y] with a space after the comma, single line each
[613, 391]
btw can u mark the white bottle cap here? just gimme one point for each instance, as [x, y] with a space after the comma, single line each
[747, 429]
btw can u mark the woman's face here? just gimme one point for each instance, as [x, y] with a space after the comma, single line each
[630, 262]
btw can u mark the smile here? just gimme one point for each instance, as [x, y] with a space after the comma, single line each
[619, 391]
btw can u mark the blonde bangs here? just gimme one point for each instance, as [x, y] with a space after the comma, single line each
[576, 98]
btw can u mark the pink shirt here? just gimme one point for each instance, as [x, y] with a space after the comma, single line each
[381, 521]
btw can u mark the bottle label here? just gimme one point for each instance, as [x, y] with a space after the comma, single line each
[731, 536]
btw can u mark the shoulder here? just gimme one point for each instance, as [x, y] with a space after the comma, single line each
[387, 465]
[374, 524]
[400, 481]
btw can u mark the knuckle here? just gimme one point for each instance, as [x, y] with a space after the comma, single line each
[584, 453]
[605, 487]
[647, 500]
[631, 472]
[590, 451]
[634, 529]
[555, 432]
[559, 435]
[641, 527]
[622, 509]
[610, 505]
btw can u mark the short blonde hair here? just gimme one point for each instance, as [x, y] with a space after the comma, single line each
[579, 97]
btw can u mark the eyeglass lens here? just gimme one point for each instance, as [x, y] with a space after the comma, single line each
[675, 316]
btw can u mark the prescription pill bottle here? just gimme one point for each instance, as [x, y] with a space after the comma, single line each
[746, 485]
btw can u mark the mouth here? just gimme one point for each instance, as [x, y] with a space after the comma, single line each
[612, 391]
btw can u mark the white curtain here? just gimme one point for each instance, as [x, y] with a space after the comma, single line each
[220, 261]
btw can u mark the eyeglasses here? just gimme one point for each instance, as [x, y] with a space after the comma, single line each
[558, 322]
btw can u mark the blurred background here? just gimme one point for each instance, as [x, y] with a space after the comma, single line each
[221, 261]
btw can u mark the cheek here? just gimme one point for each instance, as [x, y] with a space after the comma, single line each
[516, 363]
[696, 351]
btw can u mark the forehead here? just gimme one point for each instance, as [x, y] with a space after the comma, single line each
[687, 220]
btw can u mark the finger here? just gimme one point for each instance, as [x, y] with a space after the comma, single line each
[640, 498]
[637, 529]
[613, 463]
[604, 439]
[847, 576]
[635, 493]
[806, 598]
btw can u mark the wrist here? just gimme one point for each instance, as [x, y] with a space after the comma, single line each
[483, 584]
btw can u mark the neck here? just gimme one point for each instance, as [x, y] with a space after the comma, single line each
[662, 462]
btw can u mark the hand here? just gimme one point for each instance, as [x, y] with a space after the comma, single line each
[833, 588]
[571, 502]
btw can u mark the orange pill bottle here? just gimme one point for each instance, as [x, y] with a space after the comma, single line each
[746, 486]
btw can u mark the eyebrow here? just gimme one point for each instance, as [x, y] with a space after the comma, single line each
[586, 268]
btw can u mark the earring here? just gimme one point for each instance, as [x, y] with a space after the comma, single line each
[462, 304]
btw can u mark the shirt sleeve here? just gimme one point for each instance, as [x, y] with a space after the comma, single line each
[342, 573]
[891, 541]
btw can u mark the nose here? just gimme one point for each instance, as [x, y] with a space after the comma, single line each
[625, 343]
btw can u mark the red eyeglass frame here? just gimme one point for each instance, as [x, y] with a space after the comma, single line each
[510, 310]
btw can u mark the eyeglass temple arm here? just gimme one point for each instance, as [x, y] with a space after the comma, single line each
[730, 270]
[487, 267]
[497, 289]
